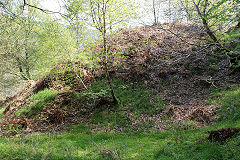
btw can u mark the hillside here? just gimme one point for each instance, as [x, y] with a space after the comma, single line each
[170, 83]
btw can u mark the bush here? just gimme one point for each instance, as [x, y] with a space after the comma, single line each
[233, 43]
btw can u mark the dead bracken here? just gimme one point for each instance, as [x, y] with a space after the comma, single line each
[164, 57]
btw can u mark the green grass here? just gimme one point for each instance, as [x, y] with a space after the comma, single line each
[134, 97]
[182, 141]
[2, 109]
[37, 102]
[229, 101]
[230, 105]
[79, 143]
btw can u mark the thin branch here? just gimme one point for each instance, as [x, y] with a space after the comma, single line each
[41, 9]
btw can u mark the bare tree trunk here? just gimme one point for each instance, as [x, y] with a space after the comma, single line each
[154, 13]
[169, 10]
[204, 21]
[186, 10]
[185, 6]
[109, 81]
[27, 30]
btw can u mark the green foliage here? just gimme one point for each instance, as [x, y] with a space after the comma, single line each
[54, 46]
[232, 41]
[37, 102]
[31, 44]
[17, 41]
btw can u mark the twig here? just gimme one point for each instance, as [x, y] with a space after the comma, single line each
[41, 9]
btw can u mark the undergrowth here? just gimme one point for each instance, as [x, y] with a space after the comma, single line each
[134, 97]
[36, 103]
[229, 101]
[181, 141]
[233, 43]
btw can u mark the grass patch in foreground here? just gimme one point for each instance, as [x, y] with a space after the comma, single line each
[80, 143]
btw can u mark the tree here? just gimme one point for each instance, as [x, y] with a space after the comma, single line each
[165, 10]
[203, 15]
[76, 18]
[215, 16]
[107, 15]
[31, 43]
[154, 13]
[17, 38]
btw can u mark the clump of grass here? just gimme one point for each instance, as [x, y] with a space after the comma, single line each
[2, 109]
[229, 101]
[37, 102]
[230, 106]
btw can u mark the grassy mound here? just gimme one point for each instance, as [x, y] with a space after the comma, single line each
[36, 103]
[50, 107]
[162, 82]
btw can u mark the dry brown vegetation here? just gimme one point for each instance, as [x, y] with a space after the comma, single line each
[173, 60]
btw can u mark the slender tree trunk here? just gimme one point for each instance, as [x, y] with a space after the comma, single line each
[187, 12]
[186, 9]
[109, 81]
[204, 21]
[169, 10]
[20, 68]
[154, 13]
[27, 56]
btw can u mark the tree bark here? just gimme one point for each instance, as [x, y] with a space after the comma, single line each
[204, 21]
[109, 81]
